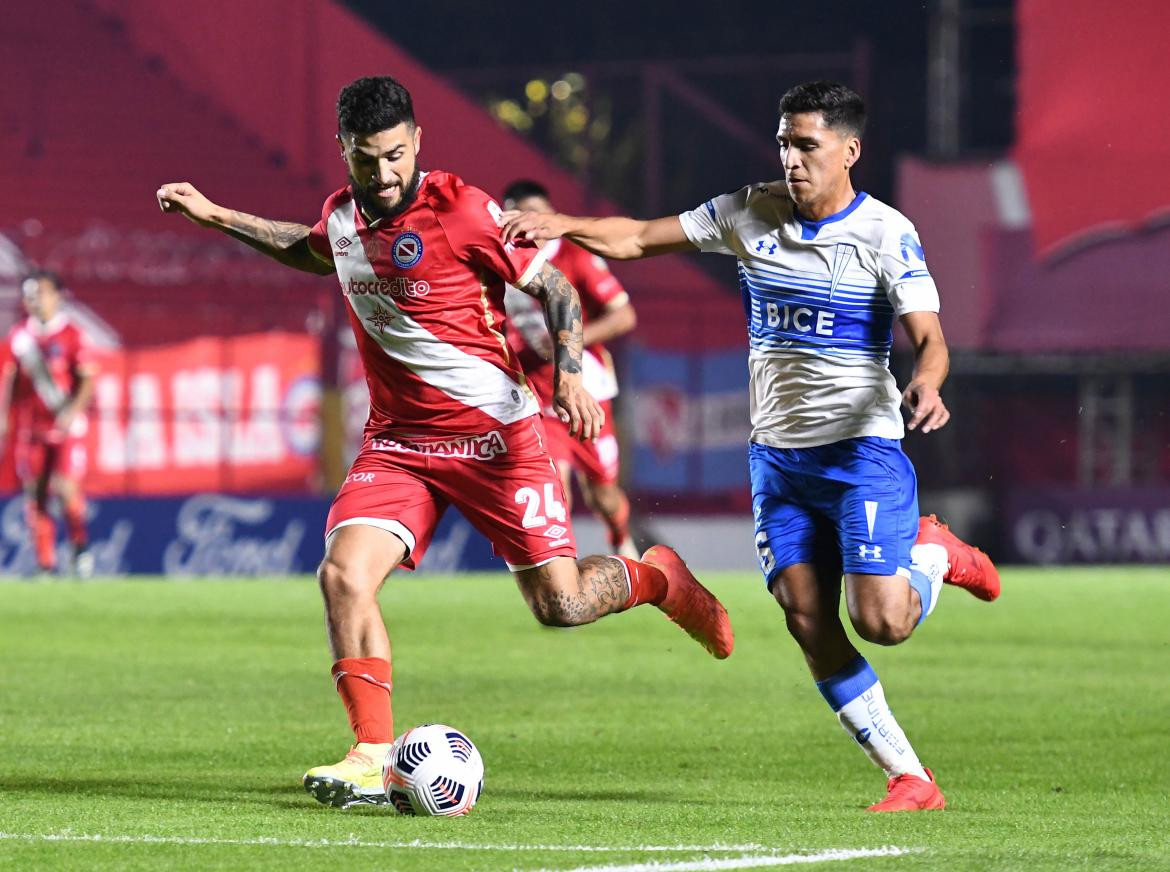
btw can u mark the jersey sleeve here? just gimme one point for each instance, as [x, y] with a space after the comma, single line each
[319, 242]
[472, 225]
[596, 284]
[902, 270]
[83, 362]
[711, 226]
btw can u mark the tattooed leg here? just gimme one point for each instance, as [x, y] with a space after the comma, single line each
[564, 593]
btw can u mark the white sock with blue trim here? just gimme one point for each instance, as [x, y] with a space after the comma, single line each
[928, 566]
[856, 695]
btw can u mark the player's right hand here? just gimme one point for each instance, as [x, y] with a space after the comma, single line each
[184, 198]
[533, 226]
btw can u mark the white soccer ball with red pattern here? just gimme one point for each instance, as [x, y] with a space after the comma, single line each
[433, 770]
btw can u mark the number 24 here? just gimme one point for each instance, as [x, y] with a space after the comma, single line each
[553, 507]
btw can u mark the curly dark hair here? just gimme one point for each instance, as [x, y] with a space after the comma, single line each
[839, 105]
[522, 189]
[373, 103]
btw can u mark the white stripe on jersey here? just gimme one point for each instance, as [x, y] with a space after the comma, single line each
[28, 353]
[463, 377]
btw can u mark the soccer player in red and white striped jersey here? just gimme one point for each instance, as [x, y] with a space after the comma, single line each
[46, 382]
[422, 268]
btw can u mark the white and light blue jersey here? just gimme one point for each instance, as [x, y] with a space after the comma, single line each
[821, 299]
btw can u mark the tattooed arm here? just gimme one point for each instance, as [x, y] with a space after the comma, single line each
[283, 241]
[562, 311]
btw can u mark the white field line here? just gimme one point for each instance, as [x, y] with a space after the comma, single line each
[354, 842]
[747, 862]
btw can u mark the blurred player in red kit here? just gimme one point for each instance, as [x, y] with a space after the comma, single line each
[46, 382]
[608, 315]
[422, 268]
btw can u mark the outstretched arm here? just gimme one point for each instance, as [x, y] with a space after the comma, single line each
[562, 310]
[283, 241]
[932, 361]
[615, 238]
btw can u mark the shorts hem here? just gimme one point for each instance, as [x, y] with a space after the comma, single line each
[396, 527]
[900, 571]
[520, 567]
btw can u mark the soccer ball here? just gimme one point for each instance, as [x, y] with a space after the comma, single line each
[433, 770]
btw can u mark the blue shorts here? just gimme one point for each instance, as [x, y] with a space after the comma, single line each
[851, 506]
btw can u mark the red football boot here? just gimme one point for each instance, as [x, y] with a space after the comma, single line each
[690, 605]
[967, 566]
[911, 793]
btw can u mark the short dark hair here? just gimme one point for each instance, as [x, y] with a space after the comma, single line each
[41, 275]
[522, 189]
[373, 103]
[838, 104]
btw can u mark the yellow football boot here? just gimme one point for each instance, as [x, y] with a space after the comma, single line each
[356, 780]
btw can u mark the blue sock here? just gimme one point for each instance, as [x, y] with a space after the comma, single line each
[920, 582]
[851, 682]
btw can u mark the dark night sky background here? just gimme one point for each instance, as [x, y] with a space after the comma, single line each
[455, 35]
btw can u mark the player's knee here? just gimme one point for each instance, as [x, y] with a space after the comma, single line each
[882, 626]
[343, 581]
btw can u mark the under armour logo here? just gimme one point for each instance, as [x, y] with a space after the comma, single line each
[771, 248]
[870, 552]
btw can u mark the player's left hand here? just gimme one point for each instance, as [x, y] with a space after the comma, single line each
[926, 407]
[576, 407]
[533, 226]
[63, 423]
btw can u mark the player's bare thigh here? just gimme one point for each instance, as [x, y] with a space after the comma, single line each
[811, 599]
[565, 593]
[882, 608]
[358, 557]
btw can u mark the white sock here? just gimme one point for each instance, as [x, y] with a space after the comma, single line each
[868, 719]
[931, 561]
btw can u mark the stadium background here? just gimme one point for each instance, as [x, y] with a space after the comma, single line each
[1027, 152]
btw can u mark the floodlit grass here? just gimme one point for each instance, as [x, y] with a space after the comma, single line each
[174, 720]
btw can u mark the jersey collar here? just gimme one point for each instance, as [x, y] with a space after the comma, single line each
[810, 229]
[44, 328]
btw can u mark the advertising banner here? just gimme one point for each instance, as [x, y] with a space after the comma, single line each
[690, 422]
[1072, 525]
[216, 535]
[239, 414]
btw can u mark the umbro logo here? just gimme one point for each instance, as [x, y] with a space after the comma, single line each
[344, 243]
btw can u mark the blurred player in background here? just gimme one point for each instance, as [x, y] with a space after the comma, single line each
[422, 267]
[46, 384]
[825, 271]
[608, 315]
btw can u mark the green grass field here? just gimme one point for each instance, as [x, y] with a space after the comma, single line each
[166, 725]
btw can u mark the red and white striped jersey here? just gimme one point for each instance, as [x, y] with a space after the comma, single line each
[49, 359]
[425, 296]
[599, 290]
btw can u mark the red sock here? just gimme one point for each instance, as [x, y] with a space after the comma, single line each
[619, 524]
[75, 522]
[364, 686]
[44, 536]
[647, 583]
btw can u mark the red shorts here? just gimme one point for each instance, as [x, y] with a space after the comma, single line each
[38, 457]
[597, 460]
[503, 482]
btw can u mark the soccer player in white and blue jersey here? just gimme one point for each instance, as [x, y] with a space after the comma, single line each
[825, 271]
